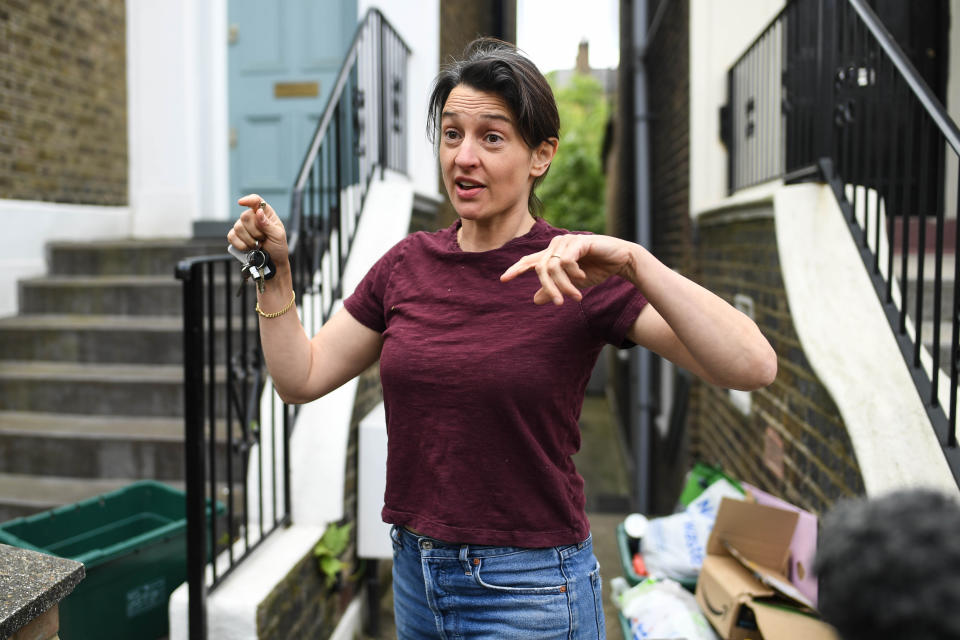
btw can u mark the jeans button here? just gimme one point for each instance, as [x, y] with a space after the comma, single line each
[427, 545]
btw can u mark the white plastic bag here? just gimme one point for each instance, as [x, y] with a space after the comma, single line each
[674, 545]
[662, 609]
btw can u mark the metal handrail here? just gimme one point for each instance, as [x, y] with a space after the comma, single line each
[920, 89]
[826, 93]
[226, 386]
[332, 182]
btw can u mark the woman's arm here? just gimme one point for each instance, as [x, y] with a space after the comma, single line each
[302, 369]
[684, 322]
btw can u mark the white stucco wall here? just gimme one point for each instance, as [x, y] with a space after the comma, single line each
[846, 338]
[33, 224]
[418, 22]
[176, 114]
[719, 33]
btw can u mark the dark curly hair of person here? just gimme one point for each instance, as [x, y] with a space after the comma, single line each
[889, 567]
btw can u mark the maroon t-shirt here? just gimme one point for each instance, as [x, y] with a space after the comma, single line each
[483, 388]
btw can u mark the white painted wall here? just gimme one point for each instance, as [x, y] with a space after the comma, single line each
[848, 342]
[176, 113]
[719, 33]
[418, 22]
[373, 534]
[33, 224]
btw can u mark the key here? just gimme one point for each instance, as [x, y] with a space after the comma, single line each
[257, 276]
[241, 257]
[257, 264]
[260, 259]
[256, 260]
[245, 272]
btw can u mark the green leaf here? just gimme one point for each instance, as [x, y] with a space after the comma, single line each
[330, 565]
[336, 538]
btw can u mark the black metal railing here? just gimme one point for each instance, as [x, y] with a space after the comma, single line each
[237, 429]
[826, 93]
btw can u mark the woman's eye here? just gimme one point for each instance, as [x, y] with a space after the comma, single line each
[450, 134]
[493, 137]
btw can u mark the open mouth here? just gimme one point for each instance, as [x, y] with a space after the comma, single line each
[468, 187]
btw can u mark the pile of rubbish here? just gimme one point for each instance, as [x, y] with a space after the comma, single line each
[732, 563]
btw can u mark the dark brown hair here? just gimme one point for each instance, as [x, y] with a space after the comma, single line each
[499, 68]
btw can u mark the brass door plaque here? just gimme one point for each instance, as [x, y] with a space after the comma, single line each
[296, 89]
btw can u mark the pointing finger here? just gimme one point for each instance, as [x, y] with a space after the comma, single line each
[522, 265]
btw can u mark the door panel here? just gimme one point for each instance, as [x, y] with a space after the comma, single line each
[283, 59]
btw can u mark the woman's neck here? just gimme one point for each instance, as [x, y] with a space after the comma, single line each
[487, 235]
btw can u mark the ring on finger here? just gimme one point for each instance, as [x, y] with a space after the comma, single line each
[261, 205]
[556, 256]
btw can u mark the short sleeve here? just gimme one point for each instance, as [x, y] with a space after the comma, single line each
[611, 308]
[365, 304]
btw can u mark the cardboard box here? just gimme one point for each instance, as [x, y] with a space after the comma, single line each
[743, 589]
[803, 546]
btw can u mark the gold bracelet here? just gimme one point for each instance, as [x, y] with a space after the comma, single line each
[277, 314]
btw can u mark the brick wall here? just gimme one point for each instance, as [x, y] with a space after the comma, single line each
[63, 100]
[793, 442]
[669, 105]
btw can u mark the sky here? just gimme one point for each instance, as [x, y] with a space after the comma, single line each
[548, 31]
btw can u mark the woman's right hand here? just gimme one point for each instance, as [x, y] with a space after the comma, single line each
[260, 225]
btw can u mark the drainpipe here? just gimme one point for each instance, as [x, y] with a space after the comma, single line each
[644, 407]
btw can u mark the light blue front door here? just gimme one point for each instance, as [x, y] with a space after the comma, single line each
[283, 59]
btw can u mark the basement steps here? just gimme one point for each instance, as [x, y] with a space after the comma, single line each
[929, 285]
[91, 374]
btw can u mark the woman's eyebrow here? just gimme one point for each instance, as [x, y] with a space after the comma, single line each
[482, 116]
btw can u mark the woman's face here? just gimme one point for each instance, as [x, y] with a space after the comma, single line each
[487, 167]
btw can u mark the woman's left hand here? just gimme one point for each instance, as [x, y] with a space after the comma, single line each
[684, 322]
[574, 262]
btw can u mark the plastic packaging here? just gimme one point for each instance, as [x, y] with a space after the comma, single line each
[674, 545]
[663, 609]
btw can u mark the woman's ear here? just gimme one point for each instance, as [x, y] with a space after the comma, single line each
[543, 156]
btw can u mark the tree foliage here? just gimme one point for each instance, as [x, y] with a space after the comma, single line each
[573, 191]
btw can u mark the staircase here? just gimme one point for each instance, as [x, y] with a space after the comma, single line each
[91, 393]
[929, 287]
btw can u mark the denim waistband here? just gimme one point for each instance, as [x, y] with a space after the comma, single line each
[431, 547]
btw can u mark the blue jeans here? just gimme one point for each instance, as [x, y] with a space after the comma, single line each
[459, 591]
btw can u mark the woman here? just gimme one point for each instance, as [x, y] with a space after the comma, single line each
[483, 377]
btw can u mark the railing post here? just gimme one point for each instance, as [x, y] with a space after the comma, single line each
[726, 133]
[823, 126]
[384, 84]
[193, 367]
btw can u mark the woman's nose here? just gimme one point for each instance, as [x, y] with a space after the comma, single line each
[466, 157]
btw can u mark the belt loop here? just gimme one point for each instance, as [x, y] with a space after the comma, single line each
[464, 552]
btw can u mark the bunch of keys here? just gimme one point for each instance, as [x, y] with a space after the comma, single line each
[257, 264]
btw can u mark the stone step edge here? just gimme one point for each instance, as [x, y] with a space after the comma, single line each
[49, 370]
[84, 426]
[99, 281]
[92, 322]
[138, 243]
[44, 492]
